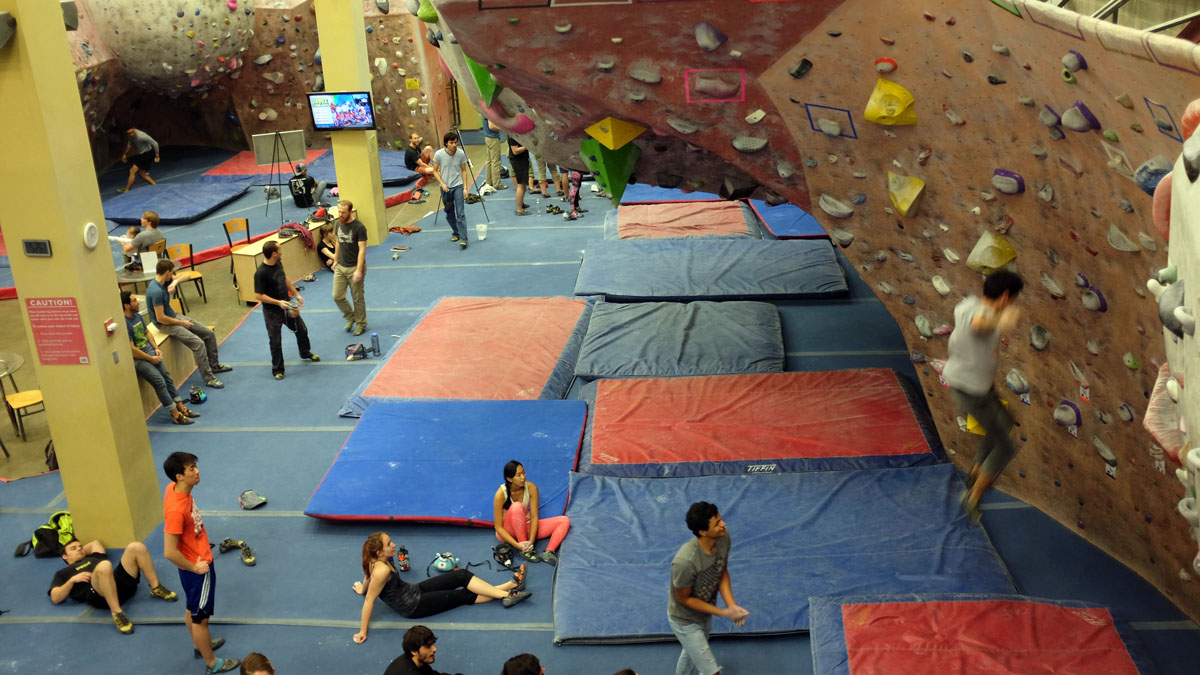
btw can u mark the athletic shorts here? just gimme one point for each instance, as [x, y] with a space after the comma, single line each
[520, 167]
[144, 161]
[127, 586]
[201, 592]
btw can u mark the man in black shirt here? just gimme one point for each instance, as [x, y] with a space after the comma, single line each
[90, 577]
[414, 162]
[306, 191]
[281, 307]
[419, 654]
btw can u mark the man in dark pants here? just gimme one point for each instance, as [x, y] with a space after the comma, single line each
[970, 371]
[281, 307]
[419, 654]
[145, 154]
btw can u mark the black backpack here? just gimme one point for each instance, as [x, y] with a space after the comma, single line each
[49, 540]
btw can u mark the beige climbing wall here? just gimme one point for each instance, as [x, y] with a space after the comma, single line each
[568, 65]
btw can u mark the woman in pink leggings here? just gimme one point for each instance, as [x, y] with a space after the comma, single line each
[516, 517]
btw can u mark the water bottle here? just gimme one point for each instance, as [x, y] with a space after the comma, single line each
[375, 343]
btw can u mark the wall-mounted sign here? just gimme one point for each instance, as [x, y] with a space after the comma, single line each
[57, 331]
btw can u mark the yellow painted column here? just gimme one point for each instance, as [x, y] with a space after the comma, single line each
[93, 409]
[355, 153]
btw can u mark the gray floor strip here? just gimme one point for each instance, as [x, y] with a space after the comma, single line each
[332, 310]
[1185, 624]
[312, 623]
[330, 362]
[57, 500]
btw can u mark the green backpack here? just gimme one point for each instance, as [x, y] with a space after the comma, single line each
[49, 540]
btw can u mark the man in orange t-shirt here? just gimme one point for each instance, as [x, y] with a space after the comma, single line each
[185, 543]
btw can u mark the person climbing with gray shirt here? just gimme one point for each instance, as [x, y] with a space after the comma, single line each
[145, 153]
[971, 370]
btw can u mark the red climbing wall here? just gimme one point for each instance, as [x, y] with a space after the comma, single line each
[566, 67]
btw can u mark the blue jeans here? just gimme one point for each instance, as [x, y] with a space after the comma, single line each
[452, 199]
[696, 654]
[160, 379]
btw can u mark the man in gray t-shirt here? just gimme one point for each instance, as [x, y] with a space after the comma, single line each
[698, 572]
[970, 371]
[143, 151]
[450, 169]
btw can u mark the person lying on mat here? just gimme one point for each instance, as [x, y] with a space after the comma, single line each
[92, 578]
[432, 596]
[516, 517]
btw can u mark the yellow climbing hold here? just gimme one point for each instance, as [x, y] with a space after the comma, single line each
[890, 105]
[973, 425]
[991, 253]
[906, 193]
[614, 133]
[191, 33]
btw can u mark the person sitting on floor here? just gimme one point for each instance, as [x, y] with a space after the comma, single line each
[516, 517]
[257, 664]
[148, 362]
[306, 191]
[420, 651]
[432, 596]
[90, 577]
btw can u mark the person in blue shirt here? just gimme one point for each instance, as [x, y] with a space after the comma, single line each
[195, 335]
[148, 363]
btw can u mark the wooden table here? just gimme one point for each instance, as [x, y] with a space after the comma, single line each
[298, 260]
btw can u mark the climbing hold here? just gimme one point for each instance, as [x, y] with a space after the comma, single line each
[1071, 164]
[999, 49]
[905, 256]
[1168, 274]
[835, 208]
[1017, 382]
[612, 167]
[881, 256]
[996, 79]
[954, 117]
[1173, 389]
[708, 37]
[1094, 300]
[950, 255]
[562, 27]
[966, 56]
[1052, 286]
[859, 198]
[991, 252]
[263, 60]
[1080, 118]
[928, 16]
[909, 300]
[1074, 61]
[1169, 299]
[488, 87]
[887, 40]
[1191, 157]
[667, 180]
[801, 69]
[1125, 411]
[1146, 241]
[1008, 182]
[756, 116]
[734, 187]
[426, 12]
[231, 4]
[1067, 414]
[268, 115]
[645, 71]
[940, 285]
[381, 65]
[430, 37]
[784, 168]
[906, 193]
[1125, 100]
[414, 6]
[842, 237]
[885, 65]
[1068, 76]
[606, 65]
[1136, 127]
[275, 77]
[1025, 101]
[1046, 193]
[614, 133]
[1039, 337]
[1048, 117]
[1186, 319]
[1110, 135]
[1039, 152]
[923, 156]
[1150, 173]
[859, 174]
[1120, 241]
[319, 83]
[829, 127]
[383, 5]
[887, 288]
[1163, 124]
[748, 144]
[923, 326]
[890, 104]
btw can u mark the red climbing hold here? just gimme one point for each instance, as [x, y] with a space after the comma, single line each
[929, 17]
[924, 156]
[1074, 236]
[951, 21]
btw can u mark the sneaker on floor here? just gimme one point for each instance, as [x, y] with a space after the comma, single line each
[502, 186]
[550, 558]
[314, 358]
[247, 555]
[125, 625]
[214, 383]
[531, 556]
[222, 666]
[360, 329]
[462, 245]
[229, 544]
[121, 191]
[350, 325]
[163, 593]
[516, 597]
[216, 644]
[222, 368]
[279, 376]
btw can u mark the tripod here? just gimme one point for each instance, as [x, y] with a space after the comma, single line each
[277, 145]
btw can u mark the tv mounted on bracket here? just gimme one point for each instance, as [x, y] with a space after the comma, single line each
[333, 111]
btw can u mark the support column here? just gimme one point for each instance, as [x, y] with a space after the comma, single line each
[355, 153]
[93, 410]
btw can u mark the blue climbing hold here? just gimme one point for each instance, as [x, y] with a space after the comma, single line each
[280, 39]
[1150, 173]
[370, 29]
[197, 11]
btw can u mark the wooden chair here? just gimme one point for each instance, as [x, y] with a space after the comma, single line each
[19, 404]
[183, 252]
[232, 226]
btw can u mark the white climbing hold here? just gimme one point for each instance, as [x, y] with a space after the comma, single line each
[1052, 286]
[1186, 319]
[1173, 389]
[1120, 241]
[950, 255]
[940, 285]
[1125, 100]
[748, 144]
[268, 115]
[1046, 193]
[784, 168]
[756, 116]
[829, 127]
[1156, 289]
[842, 237]
[1000, 49]
[834, 207]
[562, 27]
[263, 60]
[381, 65]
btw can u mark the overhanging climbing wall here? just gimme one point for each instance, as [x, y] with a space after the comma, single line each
[770, 99]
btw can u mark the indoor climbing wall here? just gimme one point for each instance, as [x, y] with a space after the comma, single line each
[215, 72]
[935, 141]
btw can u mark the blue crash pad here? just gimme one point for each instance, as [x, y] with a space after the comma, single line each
[794, 535]
[391, 169]
[787, 221]
[441, 461]
[641, 193]
[672, 339]
[175, 203]
[710, 269]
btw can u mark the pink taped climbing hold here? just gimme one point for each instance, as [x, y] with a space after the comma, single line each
[231, 4]
[1190, 119]
[1161, 209]
[517, 124]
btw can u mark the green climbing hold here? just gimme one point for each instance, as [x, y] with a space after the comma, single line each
[1111, 136]
[612, 167]
[1068, 76]
[426, 12]
[1130, 360]
[488, 86]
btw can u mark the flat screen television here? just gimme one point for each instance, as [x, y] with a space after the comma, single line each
[333, 111]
